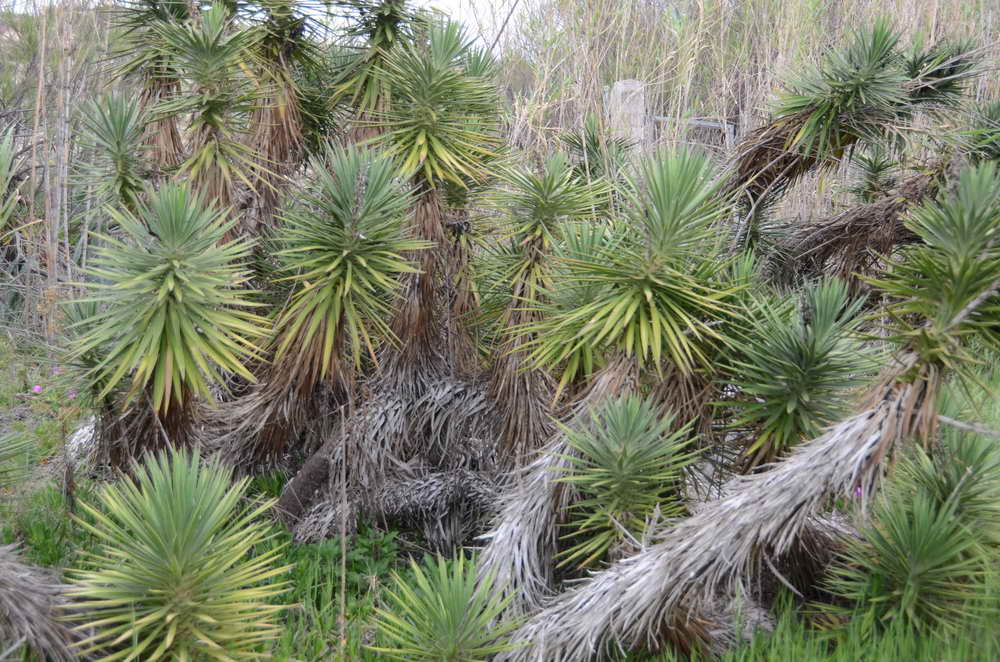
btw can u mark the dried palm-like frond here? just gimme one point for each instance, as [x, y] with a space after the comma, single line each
[857, 240]
[447, 507]
[391, 441]
[30, 606]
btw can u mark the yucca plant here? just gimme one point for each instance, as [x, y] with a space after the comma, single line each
[172, 319]
[876, 167]
[919, 563]
[596, 155]
[984, 137]
[945, 289]
[8, 187]
[442, 124]
[852, 95]
[627, 466]
[963, 467]
[656, 302]
[535, 208]
[442, 128]
[176, 577]
[342, 245]
[142, 56]
[639, 299]
[423, 412]
[210, 52]
[795, 368]
[442, 613]
[946, 299]
[938, 74]
[13, 456]
[115, 126]
[863, 91]
[380, 27]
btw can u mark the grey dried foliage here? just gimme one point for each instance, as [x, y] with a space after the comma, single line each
[30, 604]
[635, 602]
[429, 463]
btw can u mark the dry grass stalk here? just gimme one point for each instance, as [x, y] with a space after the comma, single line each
[632, 603]
[29, 606]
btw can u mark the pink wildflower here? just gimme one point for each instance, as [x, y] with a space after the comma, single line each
[36, 389]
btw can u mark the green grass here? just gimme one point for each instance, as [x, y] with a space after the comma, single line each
[313, 621]
[793, 640]
[41, 523]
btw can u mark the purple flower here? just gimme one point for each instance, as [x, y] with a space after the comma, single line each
[858, 492]
[36, 389]
[72, 394]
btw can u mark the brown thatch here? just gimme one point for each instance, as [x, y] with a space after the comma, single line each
[162, 135]
[766, 164]
[123, 433]
[854, 241]
[276, 139]
[30, 604]
[714, 552]
[524, 395]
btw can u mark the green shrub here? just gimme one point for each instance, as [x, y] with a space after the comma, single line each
[628, 467]
[443, 614]
[918, 564]
[174, 577]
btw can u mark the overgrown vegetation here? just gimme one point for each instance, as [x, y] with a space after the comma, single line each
[350, 331]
